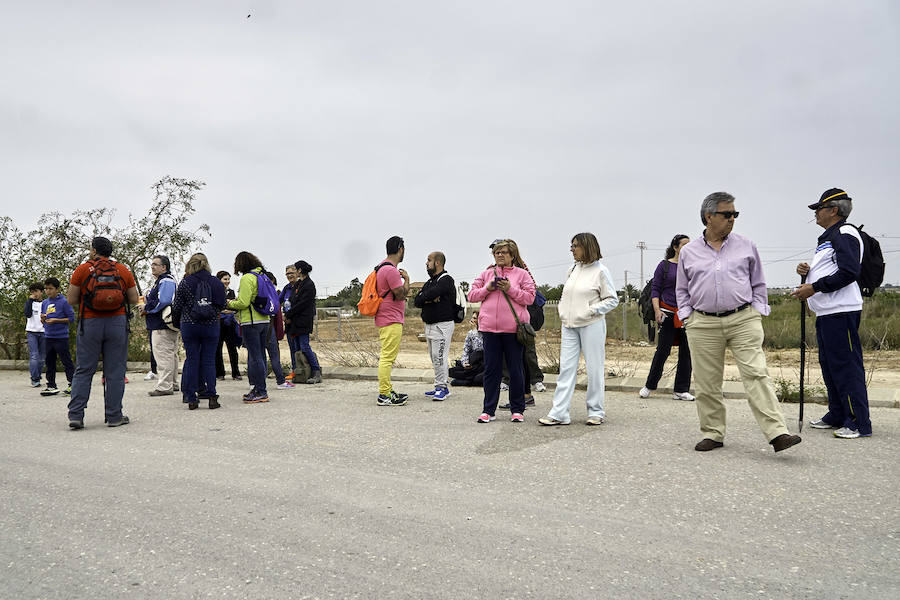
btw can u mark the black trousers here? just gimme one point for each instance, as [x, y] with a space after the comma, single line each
[227, 337]
[58, 347]
[666, 336]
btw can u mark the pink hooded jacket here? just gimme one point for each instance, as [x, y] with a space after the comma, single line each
[495, 315]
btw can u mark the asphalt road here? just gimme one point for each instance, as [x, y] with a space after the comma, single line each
[322, 494]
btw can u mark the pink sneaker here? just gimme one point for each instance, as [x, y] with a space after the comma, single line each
[517, 418]
[486, 418]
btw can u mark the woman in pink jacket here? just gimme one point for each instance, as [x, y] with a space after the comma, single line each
[497, 325]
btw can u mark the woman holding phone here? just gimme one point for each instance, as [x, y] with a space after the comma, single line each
[505, 291]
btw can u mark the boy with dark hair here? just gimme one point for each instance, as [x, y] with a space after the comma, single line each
[56, 314]
[34, 332]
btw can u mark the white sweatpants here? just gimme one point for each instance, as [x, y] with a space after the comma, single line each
[590, 340]
[439, 336]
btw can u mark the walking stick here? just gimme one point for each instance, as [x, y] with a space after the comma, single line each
[802, 353]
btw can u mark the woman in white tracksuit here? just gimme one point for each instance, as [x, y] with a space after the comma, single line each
[588, 295]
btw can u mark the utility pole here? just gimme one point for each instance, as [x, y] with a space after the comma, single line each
[642, 246]
[625, 310]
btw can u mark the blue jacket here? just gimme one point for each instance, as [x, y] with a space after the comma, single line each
[57, 308]
[160, 296]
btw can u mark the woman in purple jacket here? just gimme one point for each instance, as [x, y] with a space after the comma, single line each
[502, 289]
[671, 332]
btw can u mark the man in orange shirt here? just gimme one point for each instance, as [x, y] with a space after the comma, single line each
[103, 289]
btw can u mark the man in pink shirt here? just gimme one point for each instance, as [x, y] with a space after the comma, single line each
[392, 285]
[721, 294]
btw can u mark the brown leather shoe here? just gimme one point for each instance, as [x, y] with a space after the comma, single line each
[706, 444]
[785, 441]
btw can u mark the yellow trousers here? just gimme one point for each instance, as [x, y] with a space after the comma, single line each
[742, 333]
[389, 335]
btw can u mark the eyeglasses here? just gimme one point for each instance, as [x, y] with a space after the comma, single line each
[728, 213]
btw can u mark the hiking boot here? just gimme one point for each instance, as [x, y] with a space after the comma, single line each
[156, 393]
[821, 424]
[76, 424]
[49, 391]
[316, 377]
[440, 394]
[392, 400]
[123, 421]
[193, 405]
[785, 441]
[214, 402]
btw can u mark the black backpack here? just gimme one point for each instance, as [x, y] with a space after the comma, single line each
[871, 270]
[645, 302]
[202, 308]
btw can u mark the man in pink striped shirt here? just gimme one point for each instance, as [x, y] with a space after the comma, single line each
[721, 293]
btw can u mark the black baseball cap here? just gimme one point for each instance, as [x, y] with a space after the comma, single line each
[829, 195]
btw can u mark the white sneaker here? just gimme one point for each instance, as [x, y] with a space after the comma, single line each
[846, 433]
[821, 424]
[503, 387]
[644, 393]
[287, 385]
[683, 396]
[540, 387]
[150, 376]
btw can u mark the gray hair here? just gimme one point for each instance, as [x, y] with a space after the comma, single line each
[711, 203]
[844, 206]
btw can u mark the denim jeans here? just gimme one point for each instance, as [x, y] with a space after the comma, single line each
[255, 337]
[274, 356]
[35, 354]
[200, 344]
[301, 343]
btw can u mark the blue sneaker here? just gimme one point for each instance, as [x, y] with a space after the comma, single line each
[440, 394]
[432, 392]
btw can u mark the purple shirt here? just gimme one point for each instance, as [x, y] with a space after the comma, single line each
[716, 281]
[663, 286]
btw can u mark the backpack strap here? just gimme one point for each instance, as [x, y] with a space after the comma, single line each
[390, 291]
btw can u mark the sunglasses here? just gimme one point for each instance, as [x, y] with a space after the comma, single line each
[728, 213]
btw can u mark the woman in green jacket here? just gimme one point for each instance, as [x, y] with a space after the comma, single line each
[254, 325]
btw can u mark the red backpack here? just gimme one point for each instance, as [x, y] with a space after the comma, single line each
[104, 288]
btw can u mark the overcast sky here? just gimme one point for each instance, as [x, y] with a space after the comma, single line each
[322, 128]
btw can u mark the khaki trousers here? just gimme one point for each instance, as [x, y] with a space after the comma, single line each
[742, 333]
[165, 351]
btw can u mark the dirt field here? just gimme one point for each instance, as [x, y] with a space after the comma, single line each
[359, 347]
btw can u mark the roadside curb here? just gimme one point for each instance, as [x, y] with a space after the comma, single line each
[878, 397]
